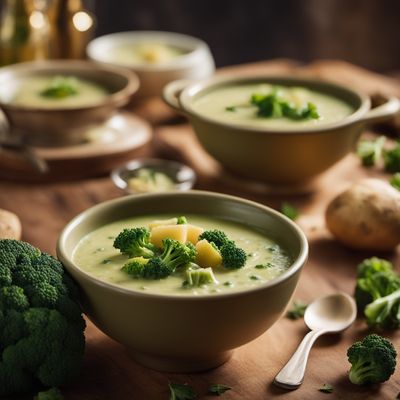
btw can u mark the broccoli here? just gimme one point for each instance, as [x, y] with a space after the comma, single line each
[370, 151]
[41, 325]
[174, 255]
[215, 236]
[135, 266]
[378, 293]
[392, 158]
[199, 277]
[181, 220]
[395, 181]
[135, 243]
[233, 257]
[373, 360]
[51, 394]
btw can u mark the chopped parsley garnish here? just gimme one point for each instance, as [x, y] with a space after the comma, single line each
[326, 388]
[228, 283]
[106, 261]
[231, 108]
[370, 151]
[255, 277]
[218, 389]
[290, 211]
[179, 391]
[297, 311]
[273, 248]
[264, 266]
[395, 181]
[61, 87]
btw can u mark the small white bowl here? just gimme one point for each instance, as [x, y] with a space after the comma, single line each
[196, 62]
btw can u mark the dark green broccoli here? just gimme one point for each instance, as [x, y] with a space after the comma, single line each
[392, 158]
[41, 325]
[135, 243]
[233, 257]
[135, 266]
[378, 293]
[373, 360]
[174, 255]
[199, 277]
[215, 236]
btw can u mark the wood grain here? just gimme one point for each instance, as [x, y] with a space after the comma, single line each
[109, 373]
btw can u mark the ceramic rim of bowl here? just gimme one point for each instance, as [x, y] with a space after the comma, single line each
[196, 89]
[292, 269]
[76, 66]
[195, 46]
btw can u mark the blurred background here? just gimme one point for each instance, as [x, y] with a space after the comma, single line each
[364, 32]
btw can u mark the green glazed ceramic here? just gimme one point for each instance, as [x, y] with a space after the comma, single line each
[284, 156]
[185, 333]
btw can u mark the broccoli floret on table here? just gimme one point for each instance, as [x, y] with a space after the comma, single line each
[373, 360]
[41, 326]
[135, 243]
[378, 293]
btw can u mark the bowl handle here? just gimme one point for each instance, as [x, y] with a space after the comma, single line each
[382, 112]
[172, 91]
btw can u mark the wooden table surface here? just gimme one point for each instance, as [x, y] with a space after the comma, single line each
[109, 373]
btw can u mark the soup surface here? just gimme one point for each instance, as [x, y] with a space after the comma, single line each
[144, 53]
[96, 255]
[232, 104]
[55, 92]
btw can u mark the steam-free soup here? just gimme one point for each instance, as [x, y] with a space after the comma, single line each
[233, 104]
[266, 259]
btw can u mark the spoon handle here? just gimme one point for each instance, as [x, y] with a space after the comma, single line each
[292, 374]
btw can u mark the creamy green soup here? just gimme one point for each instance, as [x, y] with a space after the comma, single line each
[56, 92]
[232, 104]
[144, 53]
[96, 255]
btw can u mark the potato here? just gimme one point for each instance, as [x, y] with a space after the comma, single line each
[207, 255]
[366, 216]
[193, 233]
[10, 225]
[177, 232]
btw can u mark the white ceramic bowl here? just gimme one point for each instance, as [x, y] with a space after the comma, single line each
[196, 63]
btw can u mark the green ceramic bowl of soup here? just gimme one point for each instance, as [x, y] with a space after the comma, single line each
[286, 145]
[50, 103]
[162, 323]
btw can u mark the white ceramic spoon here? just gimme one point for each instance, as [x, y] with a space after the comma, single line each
[329, 314]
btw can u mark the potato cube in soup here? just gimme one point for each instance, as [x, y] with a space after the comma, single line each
[176, 232]
[207, 255]
[193, 233]
[159, 222]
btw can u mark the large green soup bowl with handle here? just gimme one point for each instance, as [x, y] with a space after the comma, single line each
[185, 332]
[287, 154]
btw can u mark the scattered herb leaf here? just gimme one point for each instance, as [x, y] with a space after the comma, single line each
[61, 87]
[273, 248]
[255, 277]
[392, 158]
[218, 389]
[326, 388]
[290, 211]
[106, 261]
[179, 391]
[228, 283]
[395, 181]
[297, 311]
[370, 151]
[263, 266]
[231, 108]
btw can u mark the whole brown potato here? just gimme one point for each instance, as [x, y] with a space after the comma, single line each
[366, 216]
[10, 225]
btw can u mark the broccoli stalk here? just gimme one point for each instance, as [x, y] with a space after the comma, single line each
[384, 312]
[198, 277]
[135, 243]
[373, 360]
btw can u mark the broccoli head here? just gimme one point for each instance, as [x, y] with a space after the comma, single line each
[181, 220]
[199, 277]
[233, 257]
[215, 236]
[135, 243]
[373, 360]
[41, 325]
[135, 266]
[378, 293]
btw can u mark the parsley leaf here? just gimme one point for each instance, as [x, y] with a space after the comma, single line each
[217, 389]
[180, 391]
[61, 87]
[326, 388]
[290, 211]
[297, 311]
[370, 151]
